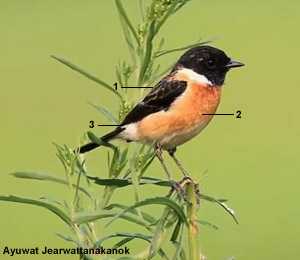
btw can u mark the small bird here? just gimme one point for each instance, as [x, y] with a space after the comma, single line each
[172, 113]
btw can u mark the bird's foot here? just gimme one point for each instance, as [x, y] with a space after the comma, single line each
[177, 187]
[187, 179]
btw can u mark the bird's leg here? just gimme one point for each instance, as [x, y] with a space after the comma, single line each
[175, 185]
[185, 173]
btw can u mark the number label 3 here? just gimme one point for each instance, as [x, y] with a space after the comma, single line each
[91, 124]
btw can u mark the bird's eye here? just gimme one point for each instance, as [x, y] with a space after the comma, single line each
[211, 64]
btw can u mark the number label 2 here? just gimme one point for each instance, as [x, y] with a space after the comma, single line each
[238, 114]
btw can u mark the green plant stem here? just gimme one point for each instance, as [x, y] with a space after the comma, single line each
[161, 232]
[126, 19]
[108, 191]
[193, 226]
[148, 52]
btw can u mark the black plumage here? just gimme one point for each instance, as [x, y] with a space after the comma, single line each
[206, 61]
[160, 98]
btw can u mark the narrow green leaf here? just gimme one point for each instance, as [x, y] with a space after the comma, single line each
[163, 255]
[84, 217]
[38, 176]
[87, 75]
[129, 235]
[152, 201]
[222, 204]
[159, 182]
[97, 140]
[127, 182]
[126, 19]
[39, 203]
[126, 173]
[114, 169]
[77, 198]
[160, 44]
[182, 253]
[66, 237]
[148, 163]
[163, 227]
[142, 10]
[135, 178]
[129, 42]
[223, 200]
[32, 175]
[123, 157]
[176, 231]
[123, 242]
[51, 200]
[180, 5]
[145, 216]
[119, 76]
[179, 253]
[148, 52]
[105, 113]
[205, 223]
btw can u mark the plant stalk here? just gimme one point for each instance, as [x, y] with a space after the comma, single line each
[193, 226]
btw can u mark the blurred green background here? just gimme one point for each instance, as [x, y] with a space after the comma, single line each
[252, 161]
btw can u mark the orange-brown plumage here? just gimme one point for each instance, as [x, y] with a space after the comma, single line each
[172, 113]
[184, 119]
[178, 108]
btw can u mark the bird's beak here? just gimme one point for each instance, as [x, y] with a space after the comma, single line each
[234, 64]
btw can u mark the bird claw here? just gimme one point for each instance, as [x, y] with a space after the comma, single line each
[196, 186]
[181, 192]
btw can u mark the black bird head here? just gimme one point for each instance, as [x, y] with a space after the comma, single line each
[209, 62]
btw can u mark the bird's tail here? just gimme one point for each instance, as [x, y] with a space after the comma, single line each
[106, 138]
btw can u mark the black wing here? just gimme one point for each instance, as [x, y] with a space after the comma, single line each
[160, 98]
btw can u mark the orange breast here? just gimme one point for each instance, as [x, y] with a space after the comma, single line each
[184, 119]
